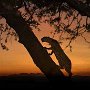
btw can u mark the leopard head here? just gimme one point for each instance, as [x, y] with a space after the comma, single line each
[48, 40]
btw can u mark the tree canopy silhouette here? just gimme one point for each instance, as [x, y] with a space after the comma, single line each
[61, 14]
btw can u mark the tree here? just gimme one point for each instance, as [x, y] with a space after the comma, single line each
[30, 41]
[53, 10]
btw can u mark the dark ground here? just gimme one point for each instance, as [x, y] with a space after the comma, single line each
[39, 81]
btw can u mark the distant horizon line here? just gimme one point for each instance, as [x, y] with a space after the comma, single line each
[33, 74]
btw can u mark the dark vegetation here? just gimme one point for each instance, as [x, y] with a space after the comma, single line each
[24, 80]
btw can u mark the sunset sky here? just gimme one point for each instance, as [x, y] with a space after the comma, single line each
[17, 59]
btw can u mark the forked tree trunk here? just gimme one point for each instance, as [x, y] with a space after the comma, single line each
[39, 55]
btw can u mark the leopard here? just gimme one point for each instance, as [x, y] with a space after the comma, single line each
[63, 60]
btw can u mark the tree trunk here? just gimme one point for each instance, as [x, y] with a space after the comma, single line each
[39, 55]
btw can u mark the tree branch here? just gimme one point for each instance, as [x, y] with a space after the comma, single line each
[82, 8]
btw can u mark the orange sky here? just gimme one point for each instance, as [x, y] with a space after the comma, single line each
[17, 59]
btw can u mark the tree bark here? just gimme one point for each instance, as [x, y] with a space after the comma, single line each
[39, 55]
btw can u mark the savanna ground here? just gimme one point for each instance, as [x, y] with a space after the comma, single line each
[20, 81]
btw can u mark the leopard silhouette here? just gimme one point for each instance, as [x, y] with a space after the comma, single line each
[63, 60]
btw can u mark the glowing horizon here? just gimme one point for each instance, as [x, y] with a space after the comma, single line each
[17, 60]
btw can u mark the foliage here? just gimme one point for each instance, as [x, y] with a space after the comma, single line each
[69, 22]
[6, 34]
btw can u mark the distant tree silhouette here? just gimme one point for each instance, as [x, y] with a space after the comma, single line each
[53, 10]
